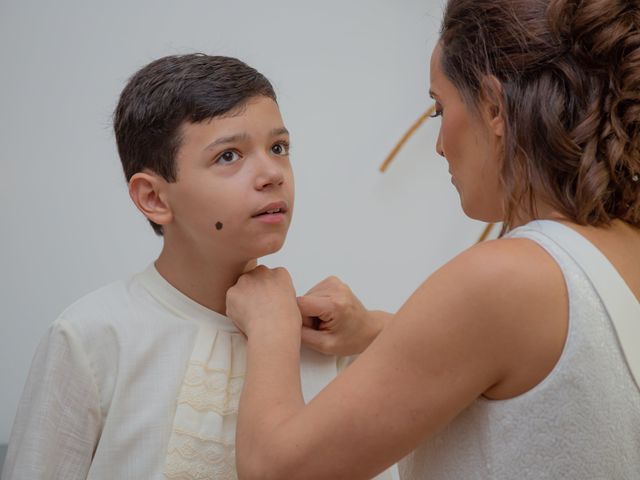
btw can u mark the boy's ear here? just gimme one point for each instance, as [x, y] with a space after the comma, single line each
[493, 104]
[148, 192]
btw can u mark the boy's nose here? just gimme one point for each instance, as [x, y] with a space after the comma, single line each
[270, 174]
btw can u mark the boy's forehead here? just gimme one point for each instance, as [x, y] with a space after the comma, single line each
[260, 115]
[216, 131]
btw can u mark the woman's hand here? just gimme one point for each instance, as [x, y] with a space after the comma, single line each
[335, 321]
[264, 298]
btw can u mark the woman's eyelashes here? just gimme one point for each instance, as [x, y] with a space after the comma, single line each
[439, 111]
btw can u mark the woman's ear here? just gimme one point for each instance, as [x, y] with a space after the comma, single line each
[493, 104]
[148, 192]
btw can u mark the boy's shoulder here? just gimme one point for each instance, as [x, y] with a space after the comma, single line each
[107, 299]
[105, 308]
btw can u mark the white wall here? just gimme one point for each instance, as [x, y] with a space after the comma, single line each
[351, 77]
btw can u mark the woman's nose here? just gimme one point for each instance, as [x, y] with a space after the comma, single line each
[439, 149]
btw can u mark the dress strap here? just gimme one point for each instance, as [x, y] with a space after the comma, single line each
[618, 299]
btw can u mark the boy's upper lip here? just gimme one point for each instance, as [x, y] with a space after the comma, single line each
[280, 205]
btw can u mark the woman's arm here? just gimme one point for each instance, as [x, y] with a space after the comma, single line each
[452, 341]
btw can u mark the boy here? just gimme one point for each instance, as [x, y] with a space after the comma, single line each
[141, 378]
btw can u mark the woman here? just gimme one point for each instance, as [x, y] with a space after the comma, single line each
[505, 362]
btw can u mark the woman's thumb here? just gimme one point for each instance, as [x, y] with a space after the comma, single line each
[312, 306]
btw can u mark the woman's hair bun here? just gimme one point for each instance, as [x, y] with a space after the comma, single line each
[603, 36]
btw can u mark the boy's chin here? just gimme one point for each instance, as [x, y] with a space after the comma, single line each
[253, 250]
[270, 246]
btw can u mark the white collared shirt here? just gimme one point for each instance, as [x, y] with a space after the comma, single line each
[137, 381]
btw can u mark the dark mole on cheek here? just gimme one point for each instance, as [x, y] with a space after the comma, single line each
[219, 226]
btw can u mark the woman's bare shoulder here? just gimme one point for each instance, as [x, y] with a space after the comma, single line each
[517, 290]
[516, 266]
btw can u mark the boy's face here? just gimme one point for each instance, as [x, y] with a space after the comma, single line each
[231, 170]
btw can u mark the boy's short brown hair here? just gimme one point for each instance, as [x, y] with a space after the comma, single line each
[162, 96]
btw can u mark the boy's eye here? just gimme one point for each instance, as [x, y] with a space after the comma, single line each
[280, 148]
[227, 157]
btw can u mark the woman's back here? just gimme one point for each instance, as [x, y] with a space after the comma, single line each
[582, 421]
[621, 246]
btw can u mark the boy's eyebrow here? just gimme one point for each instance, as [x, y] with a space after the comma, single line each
[229, 139]
[279, 131]
[242, 137]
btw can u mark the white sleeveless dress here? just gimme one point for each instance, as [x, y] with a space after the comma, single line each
[581, 422]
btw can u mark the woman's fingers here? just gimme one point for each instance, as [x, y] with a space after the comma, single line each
[326, 286]
[314, 306]
[319, 340]
[313, 310]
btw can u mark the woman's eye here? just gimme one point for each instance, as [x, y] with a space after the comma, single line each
[227, 157]
[438, 112]
[281, 148]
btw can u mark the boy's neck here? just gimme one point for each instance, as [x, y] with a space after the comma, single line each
[204, 281]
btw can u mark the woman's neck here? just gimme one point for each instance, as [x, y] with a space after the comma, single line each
[543, 211]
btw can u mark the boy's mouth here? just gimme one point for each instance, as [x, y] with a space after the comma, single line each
[273, 213]
[273, 208]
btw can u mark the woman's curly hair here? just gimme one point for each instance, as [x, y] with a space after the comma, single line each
[569, 76]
